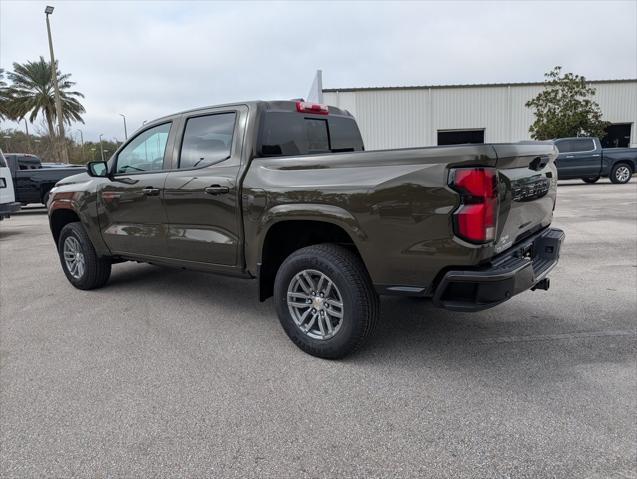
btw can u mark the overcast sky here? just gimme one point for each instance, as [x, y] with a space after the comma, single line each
[146, 59]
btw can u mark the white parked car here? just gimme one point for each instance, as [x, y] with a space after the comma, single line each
[8, 203]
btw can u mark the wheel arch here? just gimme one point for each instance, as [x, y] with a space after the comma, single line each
[59, 218]
[625, 161]
[286, 233]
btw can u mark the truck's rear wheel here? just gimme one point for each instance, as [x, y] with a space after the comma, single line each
[591, 179]
[621, 173]
[81, 265]
[325, 300]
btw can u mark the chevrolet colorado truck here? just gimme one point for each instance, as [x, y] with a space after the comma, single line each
[585, 159]
[283, 192]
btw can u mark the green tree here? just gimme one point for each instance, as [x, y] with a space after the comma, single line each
[565, 108]
[31, 93]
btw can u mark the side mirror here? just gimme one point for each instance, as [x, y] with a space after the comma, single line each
[97, 169]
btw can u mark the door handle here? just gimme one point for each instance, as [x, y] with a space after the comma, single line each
[570, 156]
[150, 191]
[217, 190]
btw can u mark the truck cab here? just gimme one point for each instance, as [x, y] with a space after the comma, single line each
[578, 158]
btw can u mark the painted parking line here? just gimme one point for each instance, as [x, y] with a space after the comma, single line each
[552, 337]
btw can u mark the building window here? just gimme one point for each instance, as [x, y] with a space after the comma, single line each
[617, 136]
[458, 137]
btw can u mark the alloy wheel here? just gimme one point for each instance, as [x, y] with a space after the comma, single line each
[316, 304]
[622, 174]
[73, 257]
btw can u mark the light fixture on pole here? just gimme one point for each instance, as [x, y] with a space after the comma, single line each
[125, 131]
[64, 156]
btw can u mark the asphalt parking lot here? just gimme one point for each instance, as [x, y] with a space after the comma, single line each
[180, 374]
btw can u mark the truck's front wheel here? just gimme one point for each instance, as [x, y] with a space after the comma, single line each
[325, 300]
[81, 265]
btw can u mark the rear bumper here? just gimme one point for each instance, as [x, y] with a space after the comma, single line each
[8, 208]
[524, 266]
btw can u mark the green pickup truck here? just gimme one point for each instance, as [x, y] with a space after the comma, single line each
[283, 192]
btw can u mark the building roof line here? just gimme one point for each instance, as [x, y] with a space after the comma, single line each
[468, 85]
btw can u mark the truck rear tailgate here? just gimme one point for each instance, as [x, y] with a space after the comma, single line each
[527, 190]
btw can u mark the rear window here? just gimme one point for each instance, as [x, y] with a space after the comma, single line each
[344, 135]
[293, 134]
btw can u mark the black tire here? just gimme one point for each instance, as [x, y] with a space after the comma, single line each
[360, 301]
[96, 270]
[591, 179]
[45, 198]
[621, 173]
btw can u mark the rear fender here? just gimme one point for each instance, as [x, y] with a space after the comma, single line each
[309, 212]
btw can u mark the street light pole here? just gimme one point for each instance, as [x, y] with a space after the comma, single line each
[26, 129]
[64, 156]
[125, 132]
[82, 140]
[102, 146]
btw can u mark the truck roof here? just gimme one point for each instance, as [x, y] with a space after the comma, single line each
[576, 138]
[271, 105]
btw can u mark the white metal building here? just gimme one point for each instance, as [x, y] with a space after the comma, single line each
[401, 117]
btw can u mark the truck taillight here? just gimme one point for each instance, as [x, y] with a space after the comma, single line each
[316, 108]
[475, 219]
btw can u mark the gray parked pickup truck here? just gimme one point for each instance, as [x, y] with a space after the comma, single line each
[32, 180]
[585, 159]
[283, 192]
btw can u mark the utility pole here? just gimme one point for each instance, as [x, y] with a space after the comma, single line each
[26, 129]
[102, 146]
[64, 155]
[82, 140]
[125, 132]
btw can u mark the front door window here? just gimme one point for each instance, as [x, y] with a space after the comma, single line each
[145, 152]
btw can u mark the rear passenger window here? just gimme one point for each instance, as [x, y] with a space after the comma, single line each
[207, 140]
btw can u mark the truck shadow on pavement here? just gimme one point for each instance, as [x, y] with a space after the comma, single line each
[409, 329]
[6, 233]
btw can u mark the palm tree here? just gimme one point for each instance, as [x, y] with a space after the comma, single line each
[31, 93]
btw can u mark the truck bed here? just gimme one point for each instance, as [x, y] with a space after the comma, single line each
[400, 199]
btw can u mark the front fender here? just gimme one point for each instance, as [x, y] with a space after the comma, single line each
[82, 202]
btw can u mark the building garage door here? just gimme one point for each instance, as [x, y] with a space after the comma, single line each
[617, 136]
[458, 137]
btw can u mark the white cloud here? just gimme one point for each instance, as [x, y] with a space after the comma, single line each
[146, 59]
